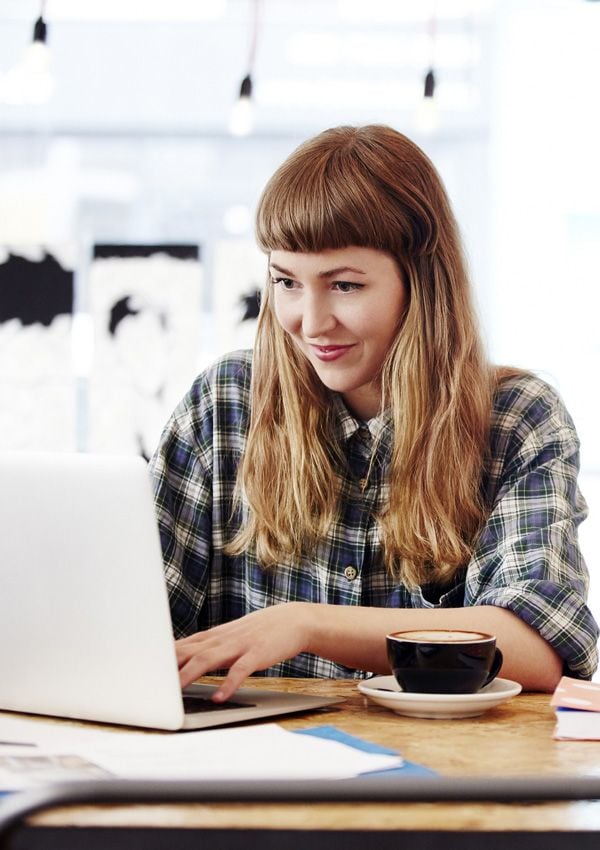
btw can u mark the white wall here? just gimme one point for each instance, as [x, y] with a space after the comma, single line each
[544, 294]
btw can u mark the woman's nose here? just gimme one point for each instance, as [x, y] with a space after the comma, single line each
[317, 317]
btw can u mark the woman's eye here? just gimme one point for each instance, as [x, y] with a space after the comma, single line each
[346, 286]
[284, 282]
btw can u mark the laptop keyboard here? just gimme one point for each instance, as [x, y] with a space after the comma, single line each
[192, 705]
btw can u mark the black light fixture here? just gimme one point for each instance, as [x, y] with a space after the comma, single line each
[429, 84]
[246, 87]
[40, 30]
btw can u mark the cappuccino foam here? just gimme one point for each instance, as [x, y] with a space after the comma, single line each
[440, 636]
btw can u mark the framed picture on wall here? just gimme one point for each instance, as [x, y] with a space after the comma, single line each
[37, 390]
[144, 301]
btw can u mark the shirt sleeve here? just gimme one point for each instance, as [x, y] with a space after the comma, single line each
[527, 558]
[181, 472]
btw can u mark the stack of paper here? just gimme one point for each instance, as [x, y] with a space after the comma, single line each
[33, 751]
[577, 705]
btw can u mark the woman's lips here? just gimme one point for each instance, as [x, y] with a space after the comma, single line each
[330, 352]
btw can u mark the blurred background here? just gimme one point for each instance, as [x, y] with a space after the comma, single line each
[130, 168]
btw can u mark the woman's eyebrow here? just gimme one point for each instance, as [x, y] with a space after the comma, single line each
[328, 273]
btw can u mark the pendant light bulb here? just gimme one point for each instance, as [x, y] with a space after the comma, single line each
[30, 80]
[427, 118]
[241, 118]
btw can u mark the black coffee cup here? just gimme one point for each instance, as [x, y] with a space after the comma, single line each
[443, 661]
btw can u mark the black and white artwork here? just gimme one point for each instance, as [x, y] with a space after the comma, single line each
[239, 277]
[145, 302]
[37, 392]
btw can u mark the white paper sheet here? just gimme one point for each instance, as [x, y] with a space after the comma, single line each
[42, 752]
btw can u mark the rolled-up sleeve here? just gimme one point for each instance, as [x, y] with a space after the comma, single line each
[527, 558]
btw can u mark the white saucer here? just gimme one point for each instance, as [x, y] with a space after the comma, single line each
[385, 691]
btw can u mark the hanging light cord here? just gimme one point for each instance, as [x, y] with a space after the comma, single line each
[429, 88]
[246, 86]
[254, 36]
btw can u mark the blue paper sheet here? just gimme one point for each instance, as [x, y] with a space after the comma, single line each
[409, 768]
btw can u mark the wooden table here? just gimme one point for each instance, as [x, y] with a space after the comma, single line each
[512, 740]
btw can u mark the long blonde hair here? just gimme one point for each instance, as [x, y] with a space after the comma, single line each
[371, 187]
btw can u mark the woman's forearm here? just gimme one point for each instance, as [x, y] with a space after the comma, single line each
[355, 637]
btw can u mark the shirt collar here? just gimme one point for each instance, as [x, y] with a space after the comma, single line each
[380, 427]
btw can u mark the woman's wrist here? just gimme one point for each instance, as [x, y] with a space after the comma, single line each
[311, 620]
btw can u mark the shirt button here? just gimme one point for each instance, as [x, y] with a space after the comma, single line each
[350, 573]
[362, 482]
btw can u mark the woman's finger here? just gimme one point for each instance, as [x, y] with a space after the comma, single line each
[238, 672]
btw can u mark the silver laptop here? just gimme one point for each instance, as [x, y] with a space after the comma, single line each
[85, 627]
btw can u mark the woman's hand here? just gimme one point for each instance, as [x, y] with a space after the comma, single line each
[253, 642]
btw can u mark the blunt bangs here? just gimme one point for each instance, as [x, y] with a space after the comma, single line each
[324, 197]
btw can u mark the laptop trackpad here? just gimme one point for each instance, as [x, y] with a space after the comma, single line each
[192, 705]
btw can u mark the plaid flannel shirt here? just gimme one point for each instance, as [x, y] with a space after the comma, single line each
[526, 558]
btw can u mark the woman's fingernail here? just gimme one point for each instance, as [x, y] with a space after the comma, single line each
[218, 696]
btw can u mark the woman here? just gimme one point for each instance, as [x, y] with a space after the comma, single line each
[367, 470]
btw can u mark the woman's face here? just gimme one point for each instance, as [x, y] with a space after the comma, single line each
[342, 309]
